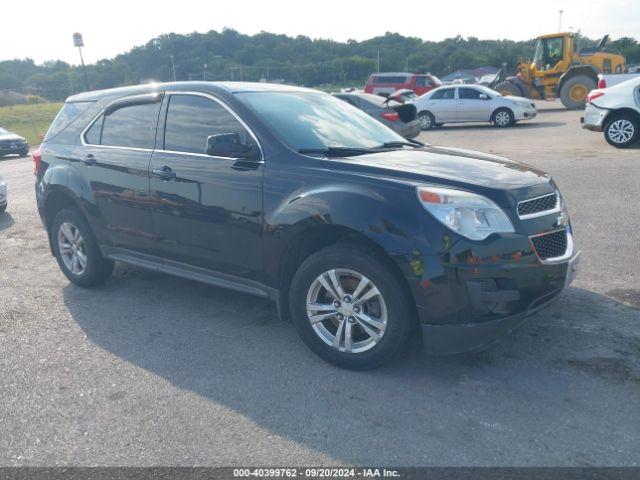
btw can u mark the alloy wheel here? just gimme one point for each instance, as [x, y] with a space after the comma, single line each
[346, 310]
[72, 248]
[425, 121]
[621, 131]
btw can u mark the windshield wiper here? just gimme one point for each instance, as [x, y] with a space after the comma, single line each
[337, 151]
[398, 144]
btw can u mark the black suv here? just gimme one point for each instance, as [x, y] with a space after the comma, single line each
[360, 236]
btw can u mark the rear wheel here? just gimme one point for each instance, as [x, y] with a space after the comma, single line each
[503, 117]
[574, 91]
[622, 130]
[76, 250]
[350, 308]
[426, 120]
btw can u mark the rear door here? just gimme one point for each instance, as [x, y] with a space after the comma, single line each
[471, 107]
[443, 105]
[207, 210]
[117, 148]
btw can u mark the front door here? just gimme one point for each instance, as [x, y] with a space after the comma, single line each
[473, 106]
[207, 210]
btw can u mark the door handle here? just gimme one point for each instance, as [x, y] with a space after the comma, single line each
[89, 160]
[165, 173]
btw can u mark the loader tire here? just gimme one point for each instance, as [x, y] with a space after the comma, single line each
[510, 88]
[574, 91]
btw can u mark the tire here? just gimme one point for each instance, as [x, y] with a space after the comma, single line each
[426, 120]
[574, 91]
[509, 88]
[623, 130]
[389, 306]
[503, 118]
[96, 268]
[3, 208]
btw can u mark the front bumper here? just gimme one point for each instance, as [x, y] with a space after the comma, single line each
[522, 113]
[594, 118]
[14, 150]
[469, 337]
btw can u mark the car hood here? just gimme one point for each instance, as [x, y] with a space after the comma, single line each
[513, 98]
[444, 166]
[10, 136]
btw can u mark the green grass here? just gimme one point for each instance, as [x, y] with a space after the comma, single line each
[29, 121]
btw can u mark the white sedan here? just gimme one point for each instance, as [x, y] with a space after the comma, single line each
[616, 112]
[3, 194]
[471, 103]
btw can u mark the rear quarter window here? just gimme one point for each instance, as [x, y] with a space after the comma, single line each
[69, 112]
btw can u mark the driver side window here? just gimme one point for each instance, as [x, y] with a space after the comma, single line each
[192, 118]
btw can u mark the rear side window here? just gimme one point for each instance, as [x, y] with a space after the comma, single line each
[423, 81]
[446, 94]
[130, 126]
[67, 114]
[389, 79]
[192, 118]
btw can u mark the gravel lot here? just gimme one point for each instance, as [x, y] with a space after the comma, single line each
[154, 370]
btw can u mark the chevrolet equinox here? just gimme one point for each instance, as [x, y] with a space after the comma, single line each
[360, 236]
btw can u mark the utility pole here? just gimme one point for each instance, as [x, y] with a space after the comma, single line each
[204, 72]
[78, 42]
[560, 12]
[173, 67]
[378, 59]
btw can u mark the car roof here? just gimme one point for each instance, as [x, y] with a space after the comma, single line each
[214, 87]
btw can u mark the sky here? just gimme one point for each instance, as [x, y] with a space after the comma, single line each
[110, 27]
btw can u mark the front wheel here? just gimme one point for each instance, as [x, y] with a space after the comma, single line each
[350, 308]
[622, 131]
[77, 251]
[503, 117]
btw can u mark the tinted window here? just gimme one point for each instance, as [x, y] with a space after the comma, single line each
[132, 126]
[191, 119]
[469, 93]
[445, 94]
[389, 79]
[317, 120]
[92, 137]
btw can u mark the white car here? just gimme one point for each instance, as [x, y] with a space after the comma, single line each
[3, 194]
[471, 103]
[616, 112]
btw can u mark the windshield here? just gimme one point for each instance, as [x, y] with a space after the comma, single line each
[317, 121]
[3, 131]
[539, 53]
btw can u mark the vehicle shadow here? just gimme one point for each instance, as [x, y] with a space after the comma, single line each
[517, 126]
[6, 221]
[562, 376]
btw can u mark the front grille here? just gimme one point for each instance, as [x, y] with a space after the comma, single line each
[537, 205]
[550, 245]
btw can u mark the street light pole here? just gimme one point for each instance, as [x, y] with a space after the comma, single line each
[204, 72]
[78, 42]
[173, 67]
[560, 12]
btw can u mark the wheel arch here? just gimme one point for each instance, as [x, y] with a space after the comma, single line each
[502, 107]
[622, 111]
[586, 70]
[311, 240]
[58, 199]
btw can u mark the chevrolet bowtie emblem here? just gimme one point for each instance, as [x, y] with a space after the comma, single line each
[562, 220]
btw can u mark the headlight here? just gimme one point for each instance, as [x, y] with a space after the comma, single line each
[473, 216]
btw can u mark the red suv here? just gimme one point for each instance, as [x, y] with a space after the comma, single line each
[386, 83]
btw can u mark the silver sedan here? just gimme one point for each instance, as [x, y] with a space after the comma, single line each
[471, 103]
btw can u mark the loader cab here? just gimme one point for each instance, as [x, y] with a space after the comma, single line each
[550, 52]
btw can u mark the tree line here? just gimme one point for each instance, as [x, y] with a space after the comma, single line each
[230, 55]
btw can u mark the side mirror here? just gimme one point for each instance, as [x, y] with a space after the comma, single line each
[228, 145]
[483, 96]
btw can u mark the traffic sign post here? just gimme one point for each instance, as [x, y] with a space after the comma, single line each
[78, 42]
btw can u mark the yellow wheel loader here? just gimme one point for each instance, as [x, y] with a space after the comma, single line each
[560, 69]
